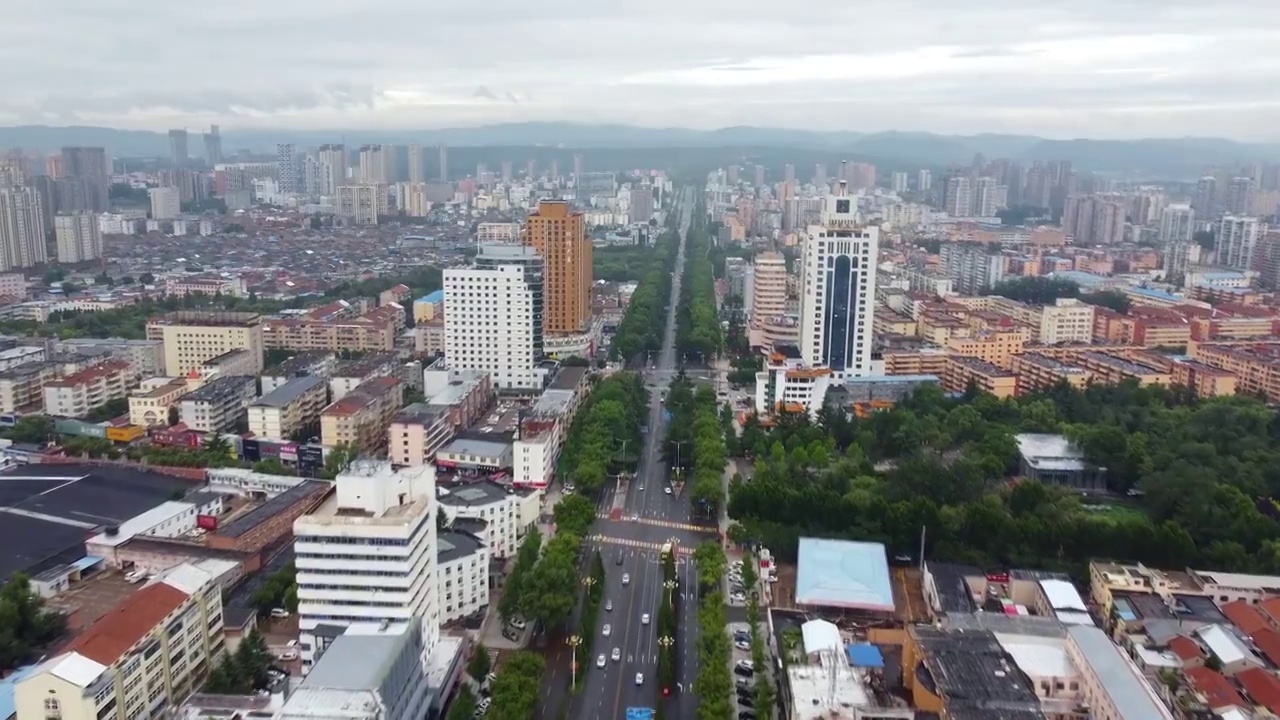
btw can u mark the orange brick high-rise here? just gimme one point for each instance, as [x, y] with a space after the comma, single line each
[560, 237]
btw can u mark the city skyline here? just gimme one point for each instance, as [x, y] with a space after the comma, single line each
[1033, 68]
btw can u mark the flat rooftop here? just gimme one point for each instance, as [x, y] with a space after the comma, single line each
[1046, 451]
[477, 448]
[471, 494]
[48, 511]
[290, 391]
[569, 378]
[454, 545]
[843, 574]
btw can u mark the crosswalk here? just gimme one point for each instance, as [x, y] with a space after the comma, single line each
[661, 523]
[641, 544]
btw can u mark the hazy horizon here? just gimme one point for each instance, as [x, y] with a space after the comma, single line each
[1089, 69]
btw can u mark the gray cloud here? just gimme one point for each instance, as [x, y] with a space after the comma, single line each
[1104, 68]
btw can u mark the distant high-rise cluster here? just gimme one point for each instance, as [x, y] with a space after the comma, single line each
[22, 228]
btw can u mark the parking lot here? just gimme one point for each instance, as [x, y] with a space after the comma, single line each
[739, 636]
[734, 593]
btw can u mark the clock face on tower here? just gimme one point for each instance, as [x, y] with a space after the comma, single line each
[842, 207]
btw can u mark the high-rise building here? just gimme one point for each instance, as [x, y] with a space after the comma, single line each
[493, 315]
[334, 158]
[768, 288]
[924, 180]
[289, 170]
[971, 267]
[417, 166]
[899, 182]
[1238, 241]
[819, 174]
[959, 200]
[731, 174]
[213, 145]
[190, 338]
[373, 163]
[788, 173]
[1205, 201]
[359, 203]
[578, 165]
[559, 234]
[444, 164]
[166, 203]
[860, 176]
[78, 237]
[984, 197]
[838, 289]
[1095, 219]
[531, 169]
[22, 229]
[1239, 196]
[178, 154]
[1177, 223]
[759, 176]
[506, 171]
[89, 181]
[641, 203]
[367, 556]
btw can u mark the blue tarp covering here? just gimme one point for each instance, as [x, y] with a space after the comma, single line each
[7, 686]
[864, 655]
[83, 563]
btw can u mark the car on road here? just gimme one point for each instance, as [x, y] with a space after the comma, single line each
[626, 578]
[606, 630]
[642, 488]
[619, 562]
[600, 661]
[644, 619]
[608, 606]
[667, 489]
[639, 678]
[616, 655]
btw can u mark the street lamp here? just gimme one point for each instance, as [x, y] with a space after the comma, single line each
[574, 642]
[670, 585]
[678, 443]
[666, 641]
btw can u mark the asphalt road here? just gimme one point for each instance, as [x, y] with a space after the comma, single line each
[649, 518]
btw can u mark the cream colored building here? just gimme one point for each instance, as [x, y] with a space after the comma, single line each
[233, 362]
[148, 654]
[22, 388]
[190, 338]
[360, 203]
[768, 288]
[150, 404]
[361, 418]
[219, 404]
[80, 392]
[78, 237]
[289, 408]
[417, 432]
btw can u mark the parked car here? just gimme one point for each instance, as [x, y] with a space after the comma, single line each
[743, 671]
[279, 613]
[742, 645]
[517, 623]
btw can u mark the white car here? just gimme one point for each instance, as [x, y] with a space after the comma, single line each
[288, 655]
[742, 645]
[606, 630]
[617, 655]
[738, 597]
[517, 623]
[626, 578]
[279, 613]
[608, 606]
[639, 678]
[600, 661]
[667, 489]
[644, 619]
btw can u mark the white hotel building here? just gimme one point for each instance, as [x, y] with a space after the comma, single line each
[836, 311]
[367, 554]
[493, 316]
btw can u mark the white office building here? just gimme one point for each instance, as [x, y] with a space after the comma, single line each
[1177, 224]
[839, 289]
[21, 228]
[463, 575]
[360, 204]
[367, 554]
[493, 316]
[1238, 241]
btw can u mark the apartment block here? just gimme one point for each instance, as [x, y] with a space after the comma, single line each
[997, 347]
[1040, 372]
[559, 235]
[961, 372]
[150, 404]
[190, 338]
[146, 357]
[349, 375]
[75, 395]
[417, 432]
[366, 334]
[22, 388]
[462, 574]
[361, 418]
[232, 362]
[289, 409]
[915, 361]
[139, 660]
[218, 405]
[490, 502]
[305, 364]
[972, 267]
[1255, 365]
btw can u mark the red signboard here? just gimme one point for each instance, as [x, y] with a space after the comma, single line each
[998, 576]
[207, 522]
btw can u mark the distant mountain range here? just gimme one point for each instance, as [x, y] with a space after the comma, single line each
[1175, 158]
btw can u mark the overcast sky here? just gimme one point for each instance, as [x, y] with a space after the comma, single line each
[1088, 68]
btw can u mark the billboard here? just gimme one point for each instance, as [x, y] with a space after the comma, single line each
[207, 522]
[250, 450]
[289, 452]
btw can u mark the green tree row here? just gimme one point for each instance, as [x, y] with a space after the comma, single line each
[243, 671]
[279, 591]
[714, 685]
[645, 317]
[1193, 481]
[695, 443]
[698, 330]
[515, 689]
[608, 422]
